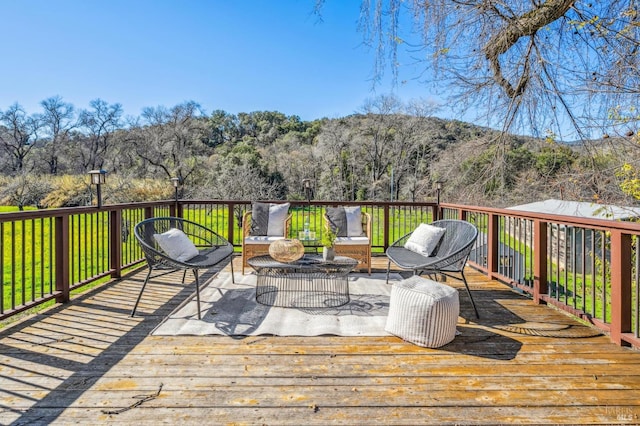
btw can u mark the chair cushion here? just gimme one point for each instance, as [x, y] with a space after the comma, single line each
[354, 241]
[354, 221]
[176, 245]
[259, 219]
[261, 239]
[424, 239]
[337, 220]
[345, 221]
[277, 217]
[268, 219]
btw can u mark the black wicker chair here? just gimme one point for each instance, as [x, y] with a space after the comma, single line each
[450, 257]
[213, 249]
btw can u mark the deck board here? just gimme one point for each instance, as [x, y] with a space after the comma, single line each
[88, 362]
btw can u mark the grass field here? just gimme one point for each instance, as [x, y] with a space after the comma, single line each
[8, 209]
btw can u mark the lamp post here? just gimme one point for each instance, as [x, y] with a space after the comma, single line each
[176, 182]
[98, 178]
[438, 189]
[307, 186]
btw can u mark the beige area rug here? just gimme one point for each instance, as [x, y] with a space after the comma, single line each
[231, 309]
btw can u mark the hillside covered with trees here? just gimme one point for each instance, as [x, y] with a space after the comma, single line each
[388, 151]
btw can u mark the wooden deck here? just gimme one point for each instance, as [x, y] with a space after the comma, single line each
[88, 362]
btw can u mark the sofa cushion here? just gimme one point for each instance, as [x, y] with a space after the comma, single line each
[353, 241]
[176, 245]
[268, 219]
[424, 239]
[259, 218]
[346, 220]
[354, 221]
[337, 220]
[261, 239]
[277, 218]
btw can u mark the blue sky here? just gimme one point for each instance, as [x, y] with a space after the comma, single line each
[234, 55]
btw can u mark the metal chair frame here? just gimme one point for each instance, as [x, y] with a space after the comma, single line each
[449, 259]
[213, 250]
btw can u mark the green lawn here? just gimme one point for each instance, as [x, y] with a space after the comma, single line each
[9, 209]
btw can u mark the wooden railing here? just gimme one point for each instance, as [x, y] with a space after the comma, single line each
[47, 254]
[587, 267]
[390, 221]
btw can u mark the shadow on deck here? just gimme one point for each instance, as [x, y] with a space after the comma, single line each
[89, 362]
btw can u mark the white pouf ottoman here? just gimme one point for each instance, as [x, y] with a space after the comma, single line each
[423, 312]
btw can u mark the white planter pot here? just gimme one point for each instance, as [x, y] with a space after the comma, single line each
[328, 253]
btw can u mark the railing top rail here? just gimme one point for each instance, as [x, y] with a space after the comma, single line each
[316, 202]
[580, 221]
[67, 211]
[603, 224]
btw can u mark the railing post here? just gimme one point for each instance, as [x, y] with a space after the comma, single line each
[620, 285]
[493, 242]
[148, 212]
[385, 218]
[62, 258]
[115, 219]
[230, 222]
[540, 282]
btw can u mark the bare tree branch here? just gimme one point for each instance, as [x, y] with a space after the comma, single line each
[524, 25]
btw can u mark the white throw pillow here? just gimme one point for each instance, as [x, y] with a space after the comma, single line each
[354, 221]
[176, 245]
[277, 216]
[424, 239]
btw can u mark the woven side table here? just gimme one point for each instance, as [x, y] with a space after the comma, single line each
[308, 282]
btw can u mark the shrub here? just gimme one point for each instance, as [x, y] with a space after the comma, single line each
[24, 191]
[68, 191]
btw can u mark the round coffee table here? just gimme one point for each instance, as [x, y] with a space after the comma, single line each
[309, 282]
